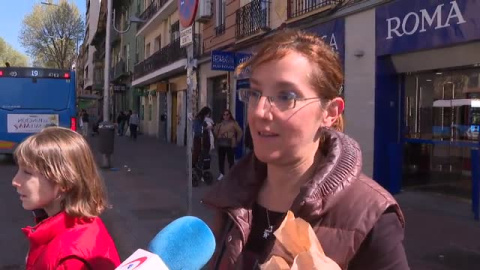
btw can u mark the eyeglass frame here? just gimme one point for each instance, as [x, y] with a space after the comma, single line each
[272, 98]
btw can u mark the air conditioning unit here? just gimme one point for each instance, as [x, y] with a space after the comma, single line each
[204, 12]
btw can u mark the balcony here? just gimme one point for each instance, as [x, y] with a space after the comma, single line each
[297, 8]
[119, 70]
[252, 18]
[163, 57]
[155, 13]
[98, 80]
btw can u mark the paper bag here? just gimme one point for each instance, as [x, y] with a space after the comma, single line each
[304, 251]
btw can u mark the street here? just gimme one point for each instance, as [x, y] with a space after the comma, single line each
[147, 190]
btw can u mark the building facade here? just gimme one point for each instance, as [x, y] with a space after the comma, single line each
[161, 74]
[411, 78]
[88, 98]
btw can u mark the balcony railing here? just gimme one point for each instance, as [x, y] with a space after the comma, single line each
[252, 18]
[119, 70]
[151, 10]
[98, 80]
[220, 30]
[165, 56]
[297, 8]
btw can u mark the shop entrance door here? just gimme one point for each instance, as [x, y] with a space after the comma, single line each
[441, 119]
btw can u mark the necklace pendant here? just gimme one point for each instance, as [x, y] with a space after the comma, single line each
[267, 232]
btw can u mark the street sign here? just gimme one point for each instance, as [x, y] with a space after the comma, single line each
[186, 37]
[222, 60]
[187, 11]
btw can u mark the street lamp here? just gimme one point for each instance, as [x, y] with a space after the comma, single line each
[132, 20]
[49, 4]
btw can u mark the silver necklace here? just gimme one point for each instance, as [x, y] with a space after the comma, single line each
[269, 229]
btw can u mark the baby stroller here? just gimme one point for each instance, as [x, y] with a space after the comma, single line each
[201, 166]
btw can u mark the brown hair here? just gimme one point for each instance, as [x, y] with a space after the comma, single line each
[327, 77]
[64, 157]
[230, 113]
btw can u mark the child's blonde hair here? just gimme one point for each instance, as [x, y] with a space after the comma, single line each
[64, 157]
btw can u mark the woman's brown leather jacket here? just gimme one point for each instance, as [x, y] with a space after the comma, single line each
[340, 203]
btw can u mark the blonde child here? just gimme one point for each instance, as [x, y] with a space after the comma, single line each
[57, 175]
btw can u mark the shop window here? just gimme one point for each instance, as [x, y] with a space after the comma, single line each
[441, 122]
[442, 105]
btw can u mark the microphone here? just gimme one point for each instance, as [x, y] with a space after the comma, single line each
[185, 243]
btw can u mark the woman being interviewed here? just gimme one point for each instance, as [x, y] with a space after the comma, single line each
[302, 162]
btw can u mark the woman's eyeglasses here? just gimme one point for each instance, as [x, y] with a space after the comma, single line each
[284, 101]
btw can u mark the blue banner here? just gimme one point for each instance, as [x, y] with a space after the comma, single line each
[222, 60]
[333, 33]
[410, 25]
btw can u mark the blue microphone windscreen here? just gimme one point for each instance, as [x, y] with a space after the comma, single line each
[186, 243]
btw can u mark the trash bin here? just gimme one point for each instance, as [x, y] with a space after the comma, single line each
[106, 131]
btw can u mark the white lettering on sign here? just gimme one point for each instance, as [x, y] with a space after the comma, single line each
[332, 41]
[422, 19]
[222, 59]
[186, 36]
[30, 123]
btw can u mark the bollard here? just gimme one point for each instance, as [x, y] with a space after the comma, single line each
[475, 159]
[106, 132]
[395, 167]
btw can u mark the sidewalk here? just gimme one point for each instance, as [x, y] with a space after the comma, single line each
[440, 231]
[147, 188]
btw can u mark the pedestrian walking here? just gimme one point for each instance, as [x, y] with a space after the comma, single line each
[228, 134]
[134, 121]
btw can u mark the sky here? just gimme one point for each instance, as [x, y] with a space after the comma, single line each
[12, 14]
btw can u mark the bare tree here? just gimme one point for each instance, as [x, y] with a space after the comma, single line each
[50, 34]
[9, 55]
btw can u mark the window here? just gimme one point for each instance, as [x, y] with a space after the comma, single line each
[137, 53]
[138, 8]
[147, 50]
[86, 73]
[126, 18]
[147, 3]
[150, 112]
[220, 14]
[175, 31]
[157, 44]
[127, 57]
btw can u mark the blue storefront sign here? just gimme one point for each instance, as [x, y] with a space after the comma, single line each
[222, 60]
[411, 25]
[239, 59]
[333, 33]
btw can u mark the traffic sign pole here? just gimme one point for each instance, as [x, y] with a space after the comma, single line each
[187, 12]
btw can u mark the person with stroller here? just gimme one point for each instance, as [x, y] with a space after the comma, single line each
[202, 144]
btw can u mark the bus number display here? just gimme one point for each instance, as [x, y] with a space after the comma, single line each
[34, 73]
